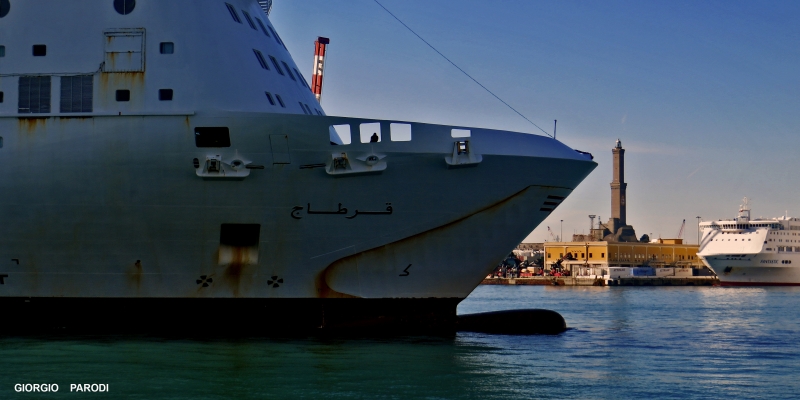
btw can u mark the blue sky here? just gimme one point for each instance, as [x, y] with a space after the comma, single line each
[703, 94]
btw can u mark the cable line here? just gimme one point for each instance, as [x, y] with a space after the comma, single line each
[462, 71]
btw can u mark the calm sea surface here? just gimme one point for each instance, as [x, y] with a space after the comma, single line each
[624, 342]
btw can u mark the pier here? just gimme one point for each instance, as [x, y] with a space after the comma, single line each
[600, 281]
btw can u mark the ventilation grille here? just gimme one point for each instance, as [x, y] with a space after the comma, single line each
[76, 93]
[34, 94]
[551, 203]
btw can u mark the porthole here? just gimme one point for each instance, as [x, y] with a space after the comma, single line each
[5, 7]
[123, 7]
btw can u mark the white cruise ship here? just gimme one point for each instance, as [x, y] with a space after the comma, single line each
[165, 165]
[747, 252]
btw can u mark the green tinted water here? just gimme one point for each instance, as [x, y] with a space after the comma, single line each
[624, 342]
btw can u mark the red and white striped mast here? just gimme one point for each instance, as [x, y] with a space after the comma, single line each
[320, 47]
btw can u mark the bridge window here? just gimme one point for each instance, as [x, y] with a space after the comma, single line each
[277, 38]
[269, 97]
[233, 12]
[280, 100]
[249, 20]
[288, 70]
[302, 78]
[261, 25]
[303, 107]
[275, 63]
[261, 60]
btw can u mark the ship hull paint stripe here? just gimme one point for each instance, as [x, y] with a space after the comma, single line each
[225, 316]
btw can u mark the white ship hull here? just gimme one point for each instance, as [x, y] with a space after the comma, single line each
[745, 252]
[755, 270]
[116, 213]
[124, 216]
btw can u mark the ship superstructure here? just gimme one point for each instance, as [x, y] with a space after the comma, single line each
[752, 252]
[165, 164]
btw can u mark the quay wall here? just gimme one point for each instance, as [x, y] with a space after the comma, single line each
[589, 281]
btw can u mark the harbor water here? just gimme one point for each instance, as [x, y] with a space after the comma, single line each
[624, 342]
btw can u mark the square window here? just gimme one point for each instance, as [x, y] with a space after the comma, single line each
[280, 100]
[371, 132]
[165, 94]
[269, 97]
[39, 50]
[400, 132]
[340, 134]
[123, 95]
[2, 51]
[167, 47]
[1, 97]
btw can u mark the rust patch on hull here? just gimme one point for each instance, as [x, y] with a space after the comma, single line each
[122, 80]
[30, 124]
[135, 275]
[237, 261]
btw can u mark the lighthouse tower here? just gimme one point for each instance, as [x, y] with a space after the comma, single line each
[618, 226]
[618, 185]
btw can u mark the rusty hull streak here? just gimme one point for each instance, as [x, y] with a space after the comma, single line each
[232, 275]
[29, 124]
[325, 291]
[135, 275]
[133, 79]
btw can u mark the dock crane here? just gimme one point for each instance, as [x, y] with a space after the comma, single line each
[680, 232]
[551, 234]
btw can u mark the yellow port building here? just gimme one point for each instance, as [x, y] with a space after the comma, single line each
[594, 258]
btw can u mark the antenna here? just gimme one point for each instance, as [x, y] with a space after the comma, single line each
[555, 125]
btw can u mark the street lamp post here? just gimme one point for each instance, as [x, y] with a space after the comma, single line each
[698, 230]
